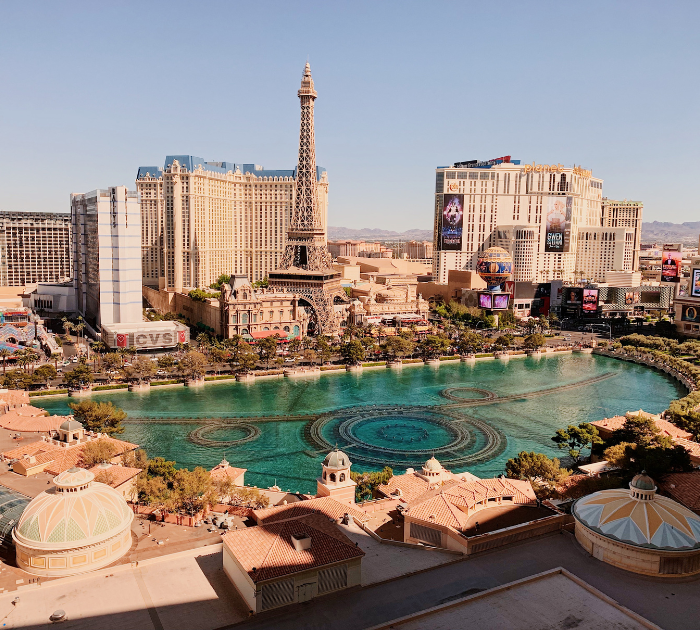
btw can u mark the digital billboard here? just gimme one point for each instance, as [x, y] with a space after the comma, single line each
[695, 286]
[485, 300]
[590, 300]
[573, 296]
[452, 222]
[558, 224]
[500, 301]
[690, 313]
[632, 298]
[671, 266]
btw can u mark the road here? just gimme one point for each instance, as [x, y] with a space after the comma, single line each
[672, 604]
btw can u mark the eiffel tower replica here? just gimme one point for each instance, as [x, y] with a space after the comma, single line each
[306, 268]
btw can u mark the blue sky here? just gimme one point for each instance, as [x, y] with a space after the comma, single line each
[92, 90]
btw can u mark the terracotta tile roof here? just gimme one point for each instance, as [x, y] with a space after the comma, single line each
[443, 505]
[666, 427]
[693, 448]
[327, 506]
[412, 485]
[267, 552]
[30, 419]
[118, 474]
[13, 397]
[62, 458]
[220, 471]
[684, 488]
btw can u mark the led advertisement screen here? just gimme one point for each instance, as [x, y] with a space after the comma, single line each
[558, 224]
[573, 296]
[632, 297]
[590, 300]
[485, 300]
[690, 313]
[695, 286]
[452, 222]
[671, 267]
[500, 301]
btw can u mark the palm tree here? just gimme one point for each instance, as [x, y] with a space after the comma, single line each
[79, 327]
[55, 356]
[4, 354]
[67, 327]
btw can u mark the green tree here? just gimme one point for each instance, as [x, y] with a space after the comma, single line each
[576, 438]
[247, 360]
[323, 349]
[353, 352]
[433, 346]
[112, 361]
[193, 365]
[166, 362]
[101, 417]
[142, 369]
[368, 482]
[194, 490]
[80, 376]
[97, 452]
[4, 355]
[310, 355]
[535, 466]
[398, 347]
[202, 296]
[45, 373]
[16, 379]
[163, 468]
[267, 348]
[221, 280]
[534, 341]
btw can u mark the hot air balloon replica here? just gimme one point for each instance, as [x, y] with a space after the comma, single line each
[494, 266]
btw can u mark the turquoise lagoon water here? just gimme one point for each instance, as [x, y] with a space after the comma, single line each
[398, 417]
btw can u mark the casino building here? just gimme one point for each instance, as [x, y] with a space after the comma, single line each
[548, 216]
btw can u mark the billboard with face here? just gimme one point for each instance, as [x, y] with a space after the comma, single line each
[695, 286]
[671, 266]
[485, 300]
[558, 224]
[452, 223]
[631, 297]
[573, 296]
[590, 300]
[500, 301]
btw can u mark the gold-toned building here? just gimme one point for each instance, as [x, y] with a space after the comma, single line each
[200, 220]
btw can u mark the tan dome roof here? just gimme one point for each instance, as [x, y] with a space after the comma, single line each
[433, 465]
[336, 459]
[650, 521]
[76, 512]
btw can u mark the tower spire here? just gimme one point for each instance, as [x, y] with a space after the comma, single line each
[306, 238]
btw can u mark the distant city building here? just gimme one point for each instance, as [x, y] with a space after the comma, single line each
[34, 247]
[240, 217]
[361, 249]
[687, 307]
[419, 250]
[545, 207]
[625, 214]
[106, 260]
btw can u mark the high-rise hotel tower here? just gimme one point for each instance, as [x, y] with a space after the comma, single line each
[536, 211]
[200, 219]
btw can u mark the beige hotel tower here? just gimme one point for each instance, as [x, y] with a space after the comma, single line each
[203, 219]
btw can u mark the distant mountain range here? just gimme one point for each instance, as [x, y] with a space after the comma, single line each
[652, 232]
[367, 234]
[663, 232]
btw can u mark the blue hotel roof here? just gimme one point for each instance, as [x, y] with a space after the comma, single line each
[191, 163]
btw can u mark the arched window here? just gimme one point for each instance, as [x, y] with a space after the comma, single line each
[333, 477]
[342, 476]
[266, 328]
[244, 331]
[245, 296]
[296, 331]
[286, 329]
[244, 318]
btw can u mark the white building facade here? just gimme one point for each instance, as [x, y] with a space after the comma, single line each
[106, 228]
[627, 214]
[602, 250]
[204, 219]
[543, 205]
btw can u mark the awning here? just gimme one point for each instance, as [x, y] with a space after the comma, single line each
[262, 334]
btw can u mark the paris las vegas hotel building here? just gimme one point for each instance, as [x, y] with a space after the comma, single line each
[553, 220]
[203, 219]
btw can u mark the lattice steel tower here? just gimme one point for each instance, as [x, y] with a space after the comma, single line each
[306, 238]
[306, 268]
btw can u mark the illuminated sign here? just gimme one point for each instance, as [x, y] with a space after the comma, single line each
[555, 168]
[590, 300]
[690, 313]
[695, 287]
[671, 266]
[485, 300]
[558, 224]
[500, 301]
[452, 223]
